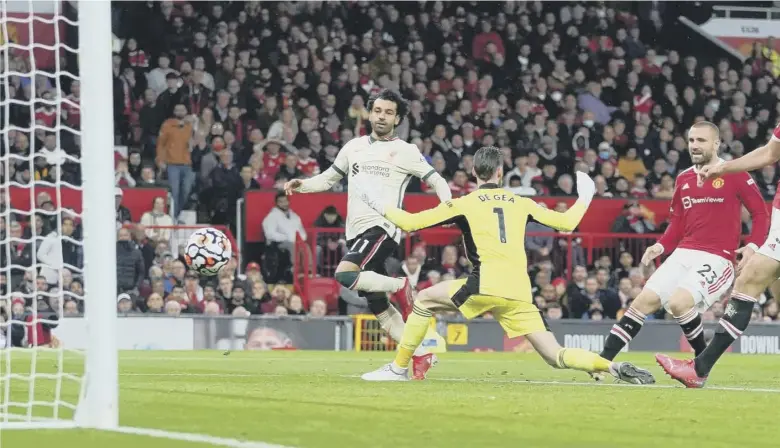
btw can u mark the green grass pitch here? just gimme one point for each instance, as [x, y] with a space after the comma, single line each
[314, 399]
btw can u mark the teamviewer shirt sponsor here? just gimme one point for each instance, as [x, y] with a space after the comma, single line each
[708, 217]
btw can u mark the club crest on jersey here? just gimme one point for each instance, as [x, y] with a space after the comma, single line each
[718, 183]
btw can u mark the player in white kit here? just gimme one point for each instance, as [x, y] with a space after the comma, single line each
[389, 163]
[761, 269]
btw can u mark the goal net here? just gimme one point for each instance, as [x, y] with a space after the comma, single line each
[57, 226]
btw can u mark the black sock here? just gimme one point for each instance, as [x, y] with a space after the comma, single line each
[377, 302]
[622, 332]
[690, 323]
[734, 321]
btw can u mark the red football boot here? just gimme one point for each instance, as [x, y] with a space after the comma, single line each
[405, 299]
[421, 364]
[681, 370]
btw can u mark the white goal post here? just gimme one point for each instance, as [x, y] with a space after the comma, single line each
[25, 382]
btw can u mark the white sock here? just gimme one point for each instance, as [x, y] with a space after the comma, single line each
[372, 282]
[391, 321]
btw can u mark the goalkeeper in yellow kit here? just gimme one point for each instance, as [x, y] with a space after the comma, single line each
[493, 222]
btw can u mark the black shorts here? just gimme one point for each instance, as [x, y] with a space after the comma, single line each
[371, 249]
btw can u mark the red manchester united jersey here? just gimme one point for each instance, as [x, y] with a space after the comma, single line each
[776, 138]
[708, 217]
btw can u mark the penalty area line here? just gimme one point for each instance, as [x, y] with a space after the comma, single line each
[195, 438]
[594, 384]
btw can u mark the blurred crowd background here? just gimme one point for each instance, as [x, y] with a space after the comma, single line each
[212, 99]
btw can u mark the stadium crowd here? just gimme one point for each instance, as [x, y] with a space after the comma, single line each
[213, 99]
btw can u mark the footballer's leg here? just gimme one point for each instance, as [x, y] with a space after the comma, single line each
[626, 329]
[659, 287]
[362, 269]
[547, 346]
[761, 270]
[428, 301]
[706, 282]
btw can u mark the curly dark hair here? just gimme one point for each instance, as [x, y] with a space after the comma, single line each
[402, 106]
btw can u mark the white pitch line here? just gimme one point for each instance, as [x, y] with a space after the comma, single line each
[594, 384]
[197, 438]
[483, 380]
[221, 375]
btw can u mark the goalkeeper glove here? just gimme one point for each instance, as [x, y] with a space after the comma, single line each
[585, 188]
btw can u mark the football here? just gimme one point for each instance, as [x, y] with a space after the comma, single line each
[208, 251]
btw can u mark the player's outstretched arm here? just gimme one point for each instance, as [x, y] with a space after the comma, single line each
[321, 182]
[406, 221]
[418, 166]
[759, 158]
[570, 219]
[440, 186]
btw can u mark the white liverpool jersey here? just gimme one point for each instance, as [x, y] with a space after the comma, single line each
[389, 165]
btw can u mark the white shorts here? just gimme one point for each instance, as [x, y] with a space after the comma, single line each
[706, 276]
[771, 247]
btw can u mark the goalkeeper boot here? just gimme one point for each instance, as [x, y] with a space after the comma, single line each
[683, 371]
[625, 371]
[388, 372]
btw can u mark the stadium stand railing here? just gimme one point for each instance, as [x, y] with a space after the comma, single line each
[568, 249]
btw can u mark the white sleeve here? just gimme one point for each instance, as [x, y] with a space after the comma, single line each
[415, 163]
[325, 180]
[440, 186]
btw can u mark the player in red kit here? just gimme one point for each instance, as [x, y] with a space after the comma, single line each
[761, 269]
[702, 239]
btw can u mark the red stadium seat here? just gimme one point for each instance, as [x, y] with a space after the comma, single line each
[327, 289]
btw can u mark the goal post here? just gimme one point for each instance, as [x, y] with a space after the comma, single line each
[99, 407]
[41, 384]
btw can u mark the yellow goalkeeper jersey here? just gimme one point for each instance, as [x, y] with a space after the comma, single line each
[493, 222]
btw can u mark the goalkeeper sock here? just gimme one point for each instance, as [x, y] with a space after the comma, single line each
[622, 333]
[372, 282]
[579, 359]
[735, 320]
[391, 321]
[690, 323]
[417, 325]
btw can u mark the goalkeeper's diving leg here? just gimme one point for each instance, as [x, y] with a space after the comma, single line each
[550, 350]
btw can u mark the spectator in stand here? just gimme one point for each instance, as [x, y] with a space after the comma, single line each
[630, 166]
[173, 308]
[173, 156]
[226, 188]
[157, 217]
[318, 308]
[130, 268]
[591, 300]
[633, 220]
[460, 185]
[123, 216]
[282, 225]
[124, 303]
